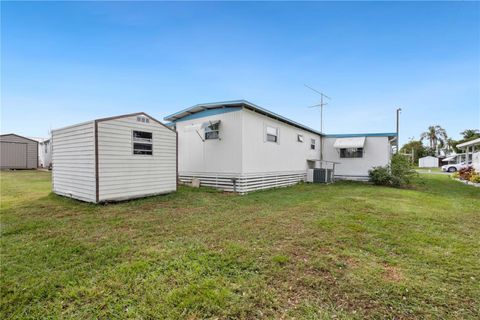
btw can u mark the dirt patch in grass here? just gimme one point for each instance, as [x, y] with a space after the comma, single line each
[392, 273]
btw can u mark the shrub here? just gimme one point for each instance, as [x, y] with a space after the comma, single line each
[466, 173]
[475, 177]
[399, 173]
[402, 170]
[380, 176]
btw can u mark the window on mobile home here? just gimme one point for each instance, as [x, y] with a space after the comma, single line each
[142, 143]
[212, 131]
[312, 144]
[272, 134]
[351, 153]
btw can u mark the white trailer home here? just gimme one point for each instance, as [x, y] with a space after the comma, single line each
[357, 153]
[112, 159]
[238, 146]
[45, 153]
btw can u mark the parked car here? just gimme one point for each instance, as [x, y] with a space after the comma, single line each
[455, 166]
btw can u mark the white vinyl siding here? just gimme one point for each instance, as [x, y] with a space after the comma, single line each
[271, 134]
[222, 155]
[123, 174]
[376, 152]
[73, 158]
[288, 156]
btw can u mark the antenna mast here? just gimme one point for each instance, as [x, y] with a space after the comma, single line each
[321, 105]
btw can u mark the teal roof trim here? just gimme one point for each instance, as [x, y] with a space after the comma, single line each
[200, 108]
[351, 135]
[206, 113]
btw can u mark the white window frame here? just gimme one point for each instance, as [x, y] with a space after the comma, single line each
[142, 141]
[208, 129]
[276, 135]
[313, 143]
[352, 153]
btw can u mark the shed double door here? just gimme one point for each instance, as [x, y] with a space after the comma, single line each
[13, 155]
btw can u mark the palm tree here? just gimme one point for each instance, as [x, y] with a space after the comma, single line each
[470, 133]
[450, 146]
[436, 136]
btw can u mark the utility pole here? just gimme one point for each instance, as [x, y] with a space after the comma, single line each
[398, 129]
[321, 105]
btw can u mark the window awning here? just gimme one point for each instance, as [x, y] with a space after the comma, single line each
[209, 123]
[354, 142]
[272, 131]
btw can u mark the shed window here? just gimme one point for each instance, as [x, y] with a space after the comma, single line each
[212, 131]
[142, 143]
[312, 144]
[351, 153]
[272, 134]
[142, 136]
[299, 138]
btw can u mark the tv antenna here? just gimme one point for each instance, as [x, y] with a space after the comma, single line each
[321, 104]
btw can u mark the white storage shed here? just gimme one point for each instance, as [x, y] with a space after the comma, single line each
[113, 159]
[428, 162]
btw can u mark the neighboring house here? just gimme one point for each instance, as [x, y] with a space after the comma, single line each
[455, 158]
[117, 158]
[472, 152]
[428, 162]
[18, 152]
[239, 146]
[357, 153]
[45, 153]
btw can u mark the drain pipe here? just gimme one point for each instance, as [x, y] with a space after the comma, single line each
[234, 180]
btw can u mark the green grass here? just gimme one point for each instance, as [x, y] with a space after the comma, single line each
[348, 250]
[426, 170]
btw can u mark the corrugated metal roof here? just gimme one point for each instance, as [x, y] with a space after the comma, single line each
[235, 103]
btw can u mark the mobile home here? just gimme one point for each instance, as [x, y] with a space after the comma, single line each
[18, 152]
[45, 153]
[239, 146]
[112, 159]
[357, 153]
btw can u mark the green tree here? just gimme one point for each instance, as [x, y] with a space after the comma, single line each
[470, 134]
[451, 146]
[417, 148]
[436, 136]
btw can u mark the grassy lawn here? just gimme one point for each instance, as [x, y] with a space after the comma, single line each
[347, 250]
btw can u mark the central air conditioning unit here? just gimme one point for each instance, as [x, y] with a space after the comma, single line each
[320, 175]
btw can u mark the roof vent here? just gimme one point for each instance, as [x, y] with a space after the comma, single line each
[143, 119]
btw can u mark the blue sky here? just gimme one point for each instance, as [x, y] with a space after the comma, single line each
[64, 63]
